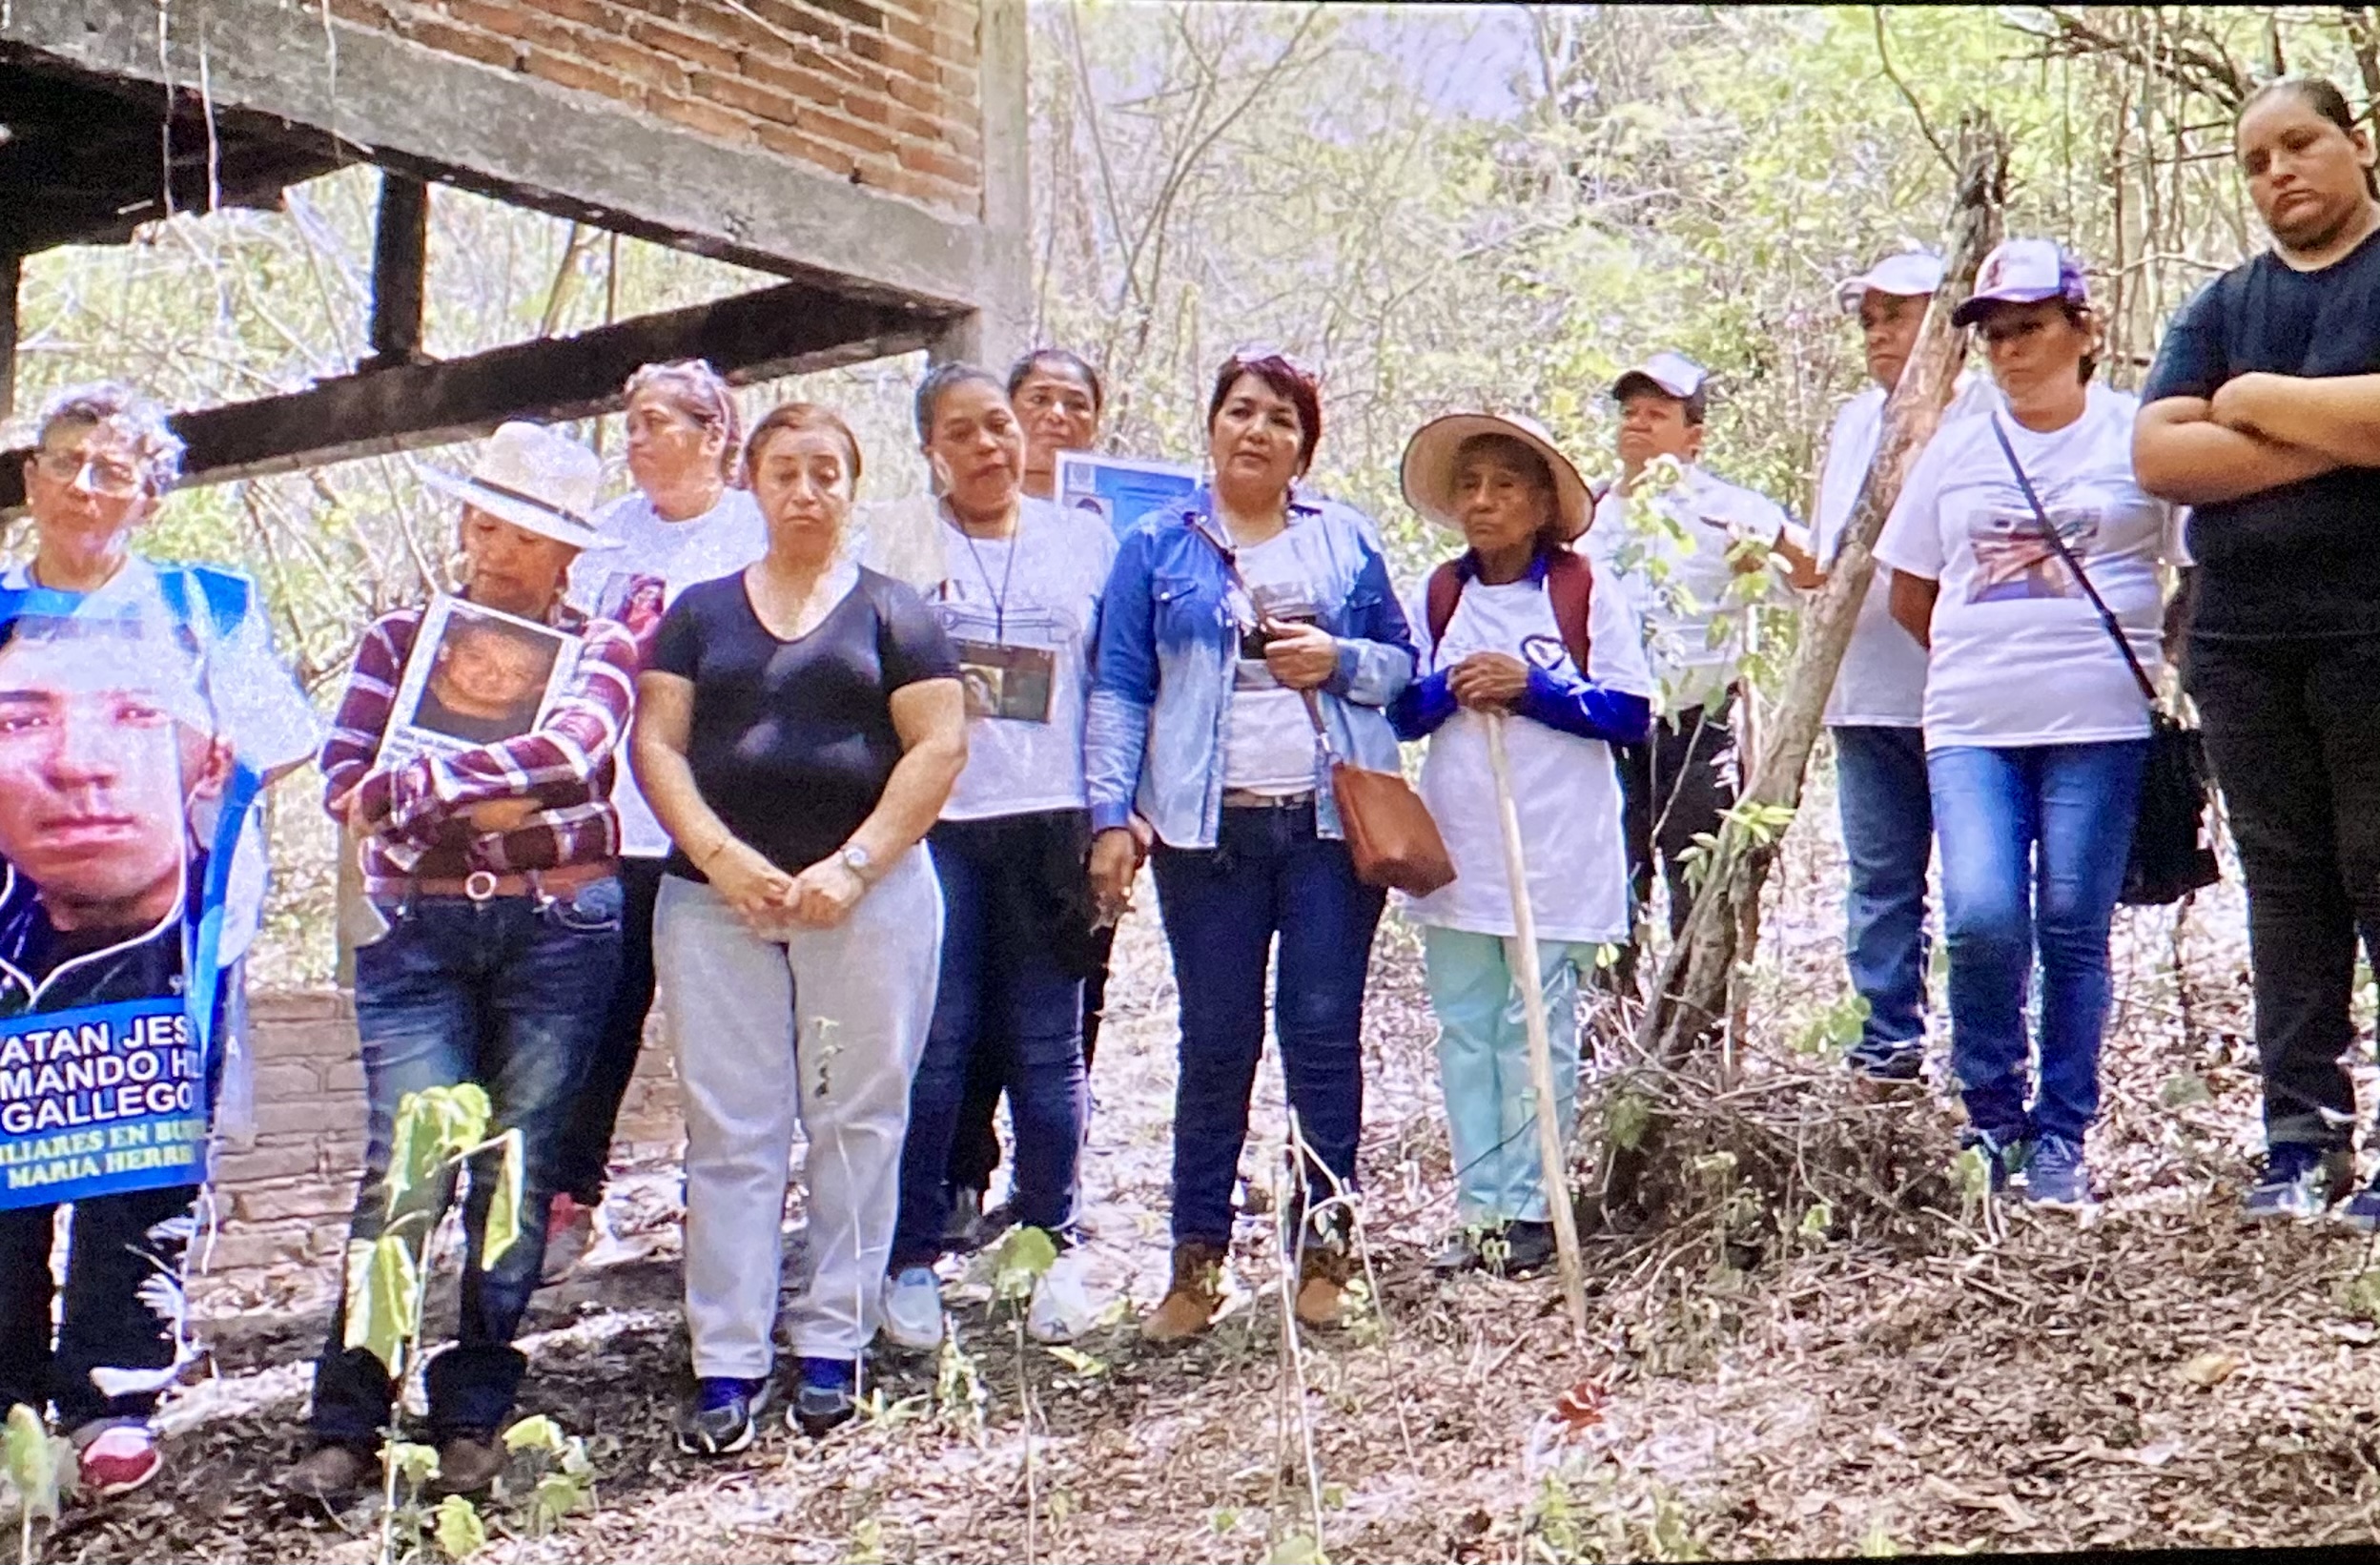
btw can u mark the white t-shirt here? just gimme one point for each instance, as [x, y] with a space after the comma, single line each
[1268, 737]
[636, 583]
[258, 703]
[1564, 789]
[1881, 683]
[2020, 656]
[1670, 549]
[1021, 610]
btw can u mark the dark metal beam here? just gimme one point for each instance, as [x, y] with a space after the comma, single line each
[11, 273]
[401, 247]
[790, 329]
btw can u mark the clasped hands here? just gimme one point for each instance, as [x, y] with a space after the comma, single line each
[767, 898]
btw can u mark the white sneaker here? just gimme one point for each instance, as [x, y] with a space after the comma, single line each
[913, 1310]
[1062, 1307]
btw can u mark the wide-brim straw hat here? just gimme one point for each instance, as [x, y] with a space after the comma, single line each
[1428, 471]
[535, 478]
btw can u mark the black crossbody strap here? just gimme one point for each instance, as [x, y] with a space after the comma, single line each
[2106, 616]
[1231, 567]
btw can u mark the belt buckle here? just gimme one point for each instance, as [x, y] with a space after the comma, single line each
[479, 885]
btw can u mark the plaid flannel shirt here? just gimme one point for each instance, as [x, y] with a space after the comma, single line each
[565, 764]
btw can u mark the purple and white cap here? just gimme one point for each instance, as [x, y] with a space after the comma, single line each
[2025, 272]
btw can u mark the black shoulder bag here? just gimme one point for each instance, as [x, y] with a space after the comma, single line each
[2172, 854]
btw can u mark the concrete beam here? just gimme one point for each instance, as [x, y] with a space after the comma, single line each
[1006, 295]
[537, 145]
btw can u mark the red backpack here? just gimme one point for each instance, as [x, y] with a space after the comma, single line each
[1569, 582]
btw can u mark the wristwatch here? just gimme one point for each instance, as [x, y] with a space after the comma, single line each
[858, 860]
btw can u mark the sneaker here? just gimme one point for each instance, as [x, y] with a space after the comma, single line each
[1889, 1064]
[1062, 1309]
[720, 1419]
[2363, 1209]
[2057, 1176]
[569, 1234]
[123, 1457]
[331, 1473]
[962, 1225]
[2003, 1153]
[1528, 1250]
[2300, 1181]
[913, 1310]
[825, 1397]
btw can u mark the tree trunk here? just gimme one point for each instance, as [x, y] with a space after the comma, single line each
[1690, 998]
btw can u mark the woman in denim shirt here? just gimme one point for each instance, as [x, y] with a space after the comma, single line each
[1225, 622]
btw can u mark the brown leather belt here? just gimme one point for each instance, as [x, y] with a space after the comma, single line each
[1241, 799]
[486, 885]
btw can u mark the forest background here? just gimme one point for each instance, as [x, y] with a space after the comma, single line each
[1442, 207]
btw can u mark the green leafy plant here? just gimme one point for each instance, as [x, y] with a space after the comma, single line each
[1023, 1258]
[1833, 1030]
[40, 1468]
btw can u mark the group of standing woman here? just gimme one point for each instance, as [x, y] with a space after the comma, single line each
[891, 794]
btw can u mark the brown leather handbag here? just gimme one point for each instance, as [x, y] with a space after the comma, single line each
[1389, 833]
[1388, 830]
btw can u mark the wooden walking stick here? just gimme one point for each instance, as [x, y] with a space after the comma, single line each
[1532, 980]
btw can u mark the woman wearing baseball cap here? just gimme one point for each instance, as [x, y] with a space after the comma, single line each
[2035, 728]
[1514, 627]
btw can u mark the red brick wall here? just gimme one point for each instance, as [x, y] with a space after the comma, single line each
[882, 93]
[287, 1197]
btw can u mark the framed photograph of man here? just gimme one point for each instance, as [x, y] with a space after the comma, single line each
[1121, 490]
[476, 677]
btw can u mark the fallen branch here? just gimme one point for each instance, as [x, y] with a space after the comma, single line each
[1689, 999]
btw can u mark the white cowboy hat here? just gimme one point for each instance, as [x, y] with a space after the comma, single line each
[1428, 471]
[538, 480]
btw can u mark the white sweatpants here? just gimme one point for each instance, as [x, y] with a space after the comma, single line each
[858, 1000]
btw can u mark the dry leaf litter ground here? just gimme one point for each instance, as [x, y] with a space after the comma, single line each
[1902, 1369]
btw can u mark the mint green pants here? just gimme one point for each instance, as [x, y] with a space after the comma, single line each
[1482, 1066]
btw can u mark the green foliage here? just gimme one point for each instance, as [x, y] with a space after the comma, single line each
[503, 1213]
[461, 1532]
[40, 1470]
[1834, 1029]
[1024, 1255]
[381, 1314]
[1626, 1115]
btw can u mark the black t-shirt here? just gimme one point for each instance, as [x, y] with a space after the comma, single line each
[2302, 559]
[792, 740]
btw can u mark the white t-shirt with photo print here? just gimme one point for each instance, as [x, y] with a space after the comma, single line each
[1268, 737]
[2020, 656]
[1020, 611]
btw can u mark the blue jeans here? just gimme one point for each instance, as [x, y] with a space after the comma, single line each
[1267, 875]
[2034, 844]
[1004, 991]
[509, 993]
[1888, 836]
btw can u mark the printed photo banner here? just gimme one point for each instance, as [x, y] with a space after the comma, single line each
[1121, 491]
[487, 676]
[121, 801]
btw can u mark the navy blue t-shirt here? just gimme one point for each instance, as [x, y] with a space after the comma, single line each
[793, 741]
[2302, 559]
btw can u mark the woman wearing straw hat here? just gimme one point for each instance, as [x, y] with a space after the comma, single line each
[495, 868]
[1514, 628]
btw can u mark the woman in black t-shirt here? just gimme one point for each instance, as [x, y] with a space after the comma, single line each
[798, 729]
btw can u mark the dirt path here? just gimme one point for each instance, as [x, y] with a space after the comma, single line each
[1760, 1381]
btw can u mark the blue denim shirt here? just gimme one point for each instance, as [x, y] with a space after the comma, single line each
[1168, 648]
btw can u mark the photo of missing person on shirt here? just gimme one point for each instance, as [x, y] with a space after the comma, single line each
[112, 776]
[488, 677]
[636, 599]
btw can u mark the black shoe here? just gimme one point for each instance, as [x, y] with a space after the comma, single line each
[824, 1400]
[1889, 1064]
[332, 1473]
[2003, 1151]
[2363, 1209]
[1528, 1248]
[466, 1465]
[962, 1225]
[2299, 1182]
[721, 1417]
[1460, 1252]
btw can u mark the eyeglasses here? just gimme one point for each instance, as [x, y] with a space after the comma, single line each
[115, 480]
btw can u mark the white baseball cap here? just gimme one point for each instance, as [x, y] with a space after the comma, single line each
[2025, 272]
[1670, 372]
[1911, 274]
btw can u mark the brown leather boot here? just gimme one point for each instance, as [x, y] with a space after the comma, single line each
[1323, 1272]
[1190, 1304]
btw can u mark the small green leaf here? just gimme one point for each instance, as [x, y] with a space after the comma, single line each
[1024, 1254]
[1817, 1221]
[535, 1433]
[33, 1462]
[415, 1464]
[503, 1213]
[379, 1316]
[461, 1533]
[1973, 1170]
[2363, 1297]
[557, 1495]
[1297, 1549]
[1080, 1362]
[2181, 1090]
[1625, 1119]
[1876, 1543]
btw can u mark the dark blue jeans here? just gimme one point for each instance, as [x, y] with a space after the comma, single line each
[1007, 885]
[585, 1158]
[1267, 875]
[509, 993]
[1888, 837]
[2034, 845]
